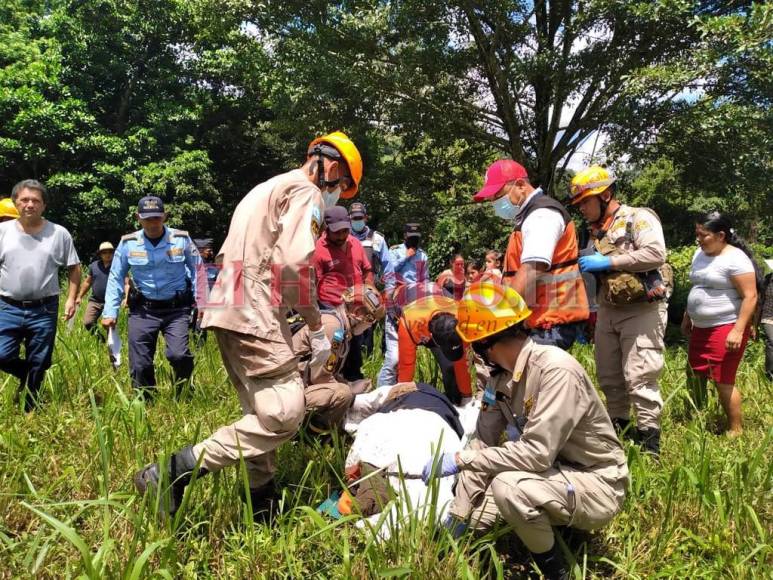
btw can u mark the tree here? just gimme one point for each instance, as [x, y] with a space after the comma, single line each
[531, 80]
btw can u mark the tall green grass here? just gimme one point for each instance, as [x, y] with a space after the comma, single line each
[68, 508]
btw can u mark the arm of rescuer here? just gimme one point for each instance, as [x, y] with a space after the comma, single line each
[649, 251]
[561, 404]
[115, 285]
[299, 224]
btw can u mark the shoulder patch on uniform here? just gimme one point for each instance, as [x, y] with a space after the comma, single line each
[316, 221]
[181, 233]
[131, 236]
[641, 226]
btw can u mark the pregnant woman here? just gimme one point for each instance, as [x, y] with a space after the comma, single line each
[720, 308]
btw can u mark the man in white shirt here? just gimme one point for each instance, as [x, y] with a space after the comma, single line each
[541, 258]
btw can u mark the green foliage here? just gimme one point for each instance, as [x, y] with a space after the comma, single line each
[68, 507]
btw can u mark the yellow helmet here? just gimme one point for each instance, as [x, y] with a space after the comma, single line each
[488, 308]
[592, 180]
[8, 209]
[349, 152]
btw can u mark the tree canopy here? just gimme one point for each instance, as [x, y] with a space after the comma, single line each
[199, 101]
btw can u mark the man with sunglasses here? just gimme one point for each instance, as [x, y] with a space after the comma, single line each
[544, 453]
[328, 393]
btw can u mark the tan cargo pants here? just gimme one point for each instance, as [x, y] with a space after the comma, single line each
[273, 408]
[629, 360]
[328, 403]
[533, 502]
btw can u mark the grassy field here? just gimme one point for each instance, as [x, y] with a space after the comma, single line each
[68, 507]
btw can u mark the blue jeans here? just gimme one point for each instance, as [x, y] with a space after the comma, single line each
[36, 328]
[560, 335]
[388, 374]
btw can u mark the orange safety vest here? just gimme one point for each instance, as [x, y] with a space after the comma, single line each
[560, 296]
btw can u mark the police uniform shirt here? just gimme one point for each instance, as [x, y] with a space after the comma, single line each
[159, 272]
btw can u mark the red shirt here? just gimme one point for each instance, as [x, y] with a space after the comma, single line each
[339, 268]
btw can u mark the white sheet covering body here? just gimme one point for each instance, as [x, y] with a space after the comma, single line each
[408, 438]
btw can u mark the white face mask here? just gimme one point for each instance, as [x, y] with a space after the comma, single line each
[331, 197]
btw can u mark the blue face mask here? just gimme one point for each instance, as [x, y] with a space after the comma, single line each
[506, 209]
[358, 225]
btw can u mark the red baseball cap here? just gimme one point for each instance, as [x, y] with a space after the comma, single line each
[499, 173]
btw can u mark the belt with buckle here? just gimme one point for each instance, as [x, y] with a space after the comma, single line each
[30, 303]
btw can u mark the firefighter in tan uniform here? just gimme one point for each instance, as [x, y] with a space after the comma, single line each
[629, 262]
[328, 394]
[266, 270]
[545, 452]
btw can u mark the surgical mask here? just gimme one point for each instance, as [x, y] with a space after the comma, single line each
[331, 197]
[506, 209]
[358, 225]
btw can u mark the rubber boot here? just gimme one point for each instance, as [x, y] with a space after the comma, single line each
[179, 474]
[552, 564]
[265, 502]
[649, 439]
[623, 428]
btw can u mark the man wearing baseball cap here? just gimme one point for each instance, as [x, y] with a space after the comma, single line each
[377, 252]
[339, 259]
[541, 258]
[96, 281]
[163, 263]
[405, 280]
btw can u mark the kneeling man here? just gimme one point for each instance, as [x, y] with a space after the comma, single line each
[545, 452]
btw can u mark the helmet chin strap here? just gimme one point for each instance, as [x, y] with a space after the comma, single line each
[321, 181]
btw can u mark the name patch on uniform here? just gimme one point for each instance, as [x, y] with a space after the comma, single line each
[175, 252]
[137, 254]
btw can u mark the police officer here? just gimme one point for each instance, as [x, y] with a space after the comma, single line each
[163, 263]
[377, 252]
[628, 256]
[405, 280]
[210, 270]
[544, 453]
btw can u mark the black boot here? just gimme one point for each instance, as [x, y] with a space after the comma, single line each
[265, 502]
[649, 439]
[551, 564]
[180, 471]
[623, 428]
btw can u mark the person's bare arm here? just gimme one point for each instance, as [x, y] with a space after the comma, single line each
[73, 283]
[746, 286]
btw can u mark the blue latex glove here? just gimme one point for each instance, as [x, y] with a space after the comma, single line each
[595, 263]
[455, 526]
[447, 467]
[513, 432]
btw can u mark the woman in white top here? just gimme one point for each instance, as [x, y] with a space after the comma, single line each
[719, 313]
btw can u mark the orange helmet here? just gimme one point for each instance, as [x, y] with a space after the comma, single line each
[349, 152]
[592, 180]
[488, 308]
